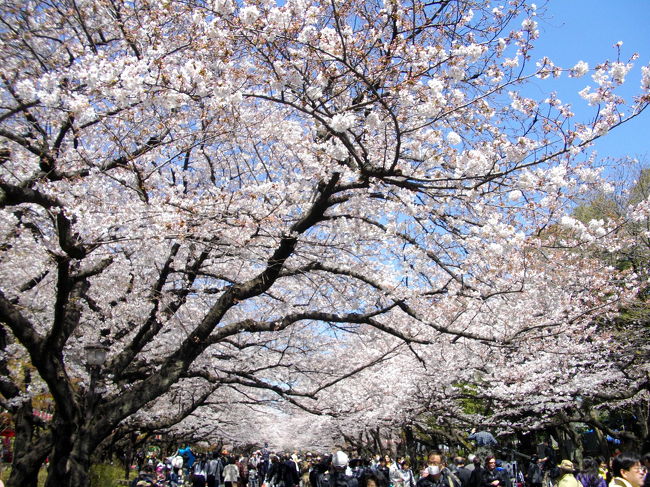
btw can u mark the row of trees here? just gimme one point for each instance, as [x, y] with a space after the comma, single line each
[346, 207]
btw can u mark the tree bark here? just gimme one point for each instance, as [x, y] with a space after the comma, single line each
[410, 444]
[71, 458]
[29, 452]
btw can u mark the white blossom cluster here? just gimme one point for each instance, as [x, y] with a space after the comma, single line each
[296, 192]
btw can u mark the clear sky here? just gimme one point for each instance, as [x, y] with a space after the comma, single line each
[575, 30]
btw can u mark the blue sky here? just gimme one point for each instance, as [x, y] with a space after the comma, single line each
[575, 30]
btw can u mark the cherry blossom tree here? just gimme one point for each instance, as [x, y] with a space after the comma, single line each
[236, 194]
[558, 376]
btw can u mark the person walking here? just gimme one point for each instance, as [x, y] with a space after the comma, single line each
[336, 474]
[230, 474]
[401, 475]
[477, 472]
[534, 474]
[199, 474]
[462, 472]
[213, 470]
[444, 475]
[289, 472]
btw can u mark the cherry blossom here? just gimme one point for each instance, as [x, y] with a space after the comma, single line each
[319, 204]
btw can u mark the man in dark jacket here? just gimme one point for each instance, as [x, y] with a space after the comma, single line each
[333, 473]
[534, 474]
[475, 478]
[434, 477]
[462, 472]
[443, 474]
[289, 472]
[317, 471]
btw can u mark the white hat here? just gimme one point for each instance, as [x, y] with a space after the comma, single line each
[340, 459]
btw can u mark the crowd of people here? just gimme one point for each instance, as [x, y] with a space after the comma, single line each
[267, 469]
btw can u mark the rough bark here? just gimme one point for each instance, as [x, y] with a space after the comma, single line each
[30, 451]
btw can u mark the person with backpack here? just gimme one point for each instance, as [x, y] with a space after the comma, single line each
[318, 469]
[339, 472]
[213, 470]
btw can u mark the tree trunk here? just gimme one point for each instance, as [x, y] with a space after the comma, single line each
[411, 445]
[644, 427]
[574, 438]
[378, 447]
[641, 422]
[71, 458]
[29, 452]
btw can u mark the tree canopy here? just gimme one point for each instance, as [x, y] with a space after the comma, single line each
[265, 201]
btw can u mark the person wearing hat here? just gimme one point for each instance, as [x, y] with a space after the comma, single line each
[333, 472]
[567, 479]
[339, 476]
